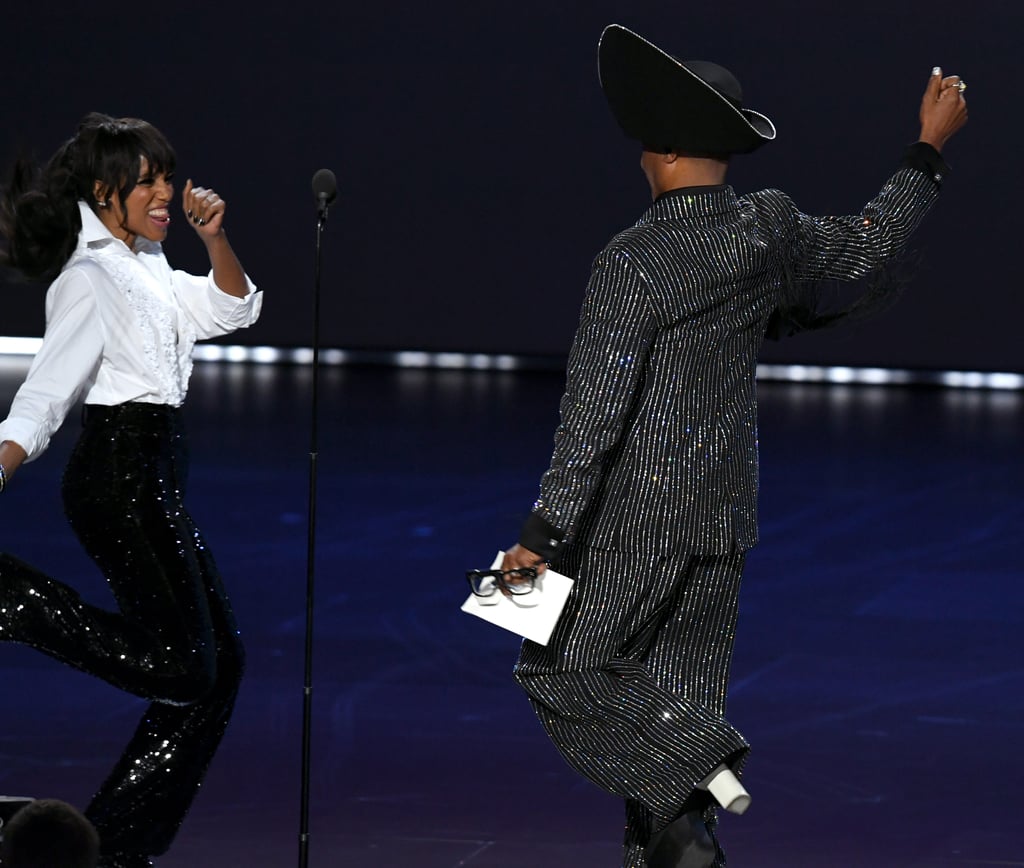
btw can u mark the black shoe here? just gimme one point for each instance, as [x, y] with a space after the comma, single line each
[683, 843]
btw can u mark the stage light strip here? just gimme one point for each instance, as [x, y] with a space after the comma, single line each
[890, 377]
[488, 362]
[20, 346]
[402, 359]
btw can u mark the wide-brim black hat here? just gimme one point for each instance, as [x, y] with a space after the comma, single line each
[669, 105]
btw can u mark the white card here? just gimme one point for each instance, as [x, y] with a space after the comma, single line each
[532, 616]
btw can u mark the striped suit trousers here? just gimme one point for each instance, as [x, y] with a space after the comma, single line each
[632, 686]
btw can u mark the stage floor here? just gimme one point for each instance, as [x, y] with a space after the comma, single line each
[878, 674]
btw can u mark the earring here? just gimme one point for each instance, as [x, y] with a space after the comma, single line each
[102, 203]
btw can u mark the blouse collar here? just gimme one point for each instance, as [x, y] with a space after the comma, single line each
[95, 235]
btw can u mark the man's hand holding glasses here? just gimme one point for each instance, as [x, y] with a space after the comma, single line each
[516, 582]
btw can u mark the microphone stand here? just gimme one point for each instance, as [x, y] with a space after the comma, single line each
[324, 197]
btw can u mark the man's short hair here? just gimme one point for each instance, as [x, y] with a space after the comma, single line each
[49, 833]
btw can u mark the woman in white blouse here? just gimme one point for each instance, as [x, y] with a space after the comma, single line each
[120, 327]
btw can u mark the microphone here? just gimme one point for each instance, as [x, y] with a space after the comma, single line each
[325, 189]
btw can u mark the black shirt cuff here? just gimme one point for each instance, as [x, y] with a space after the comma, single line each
[925, 158]
[541, 536]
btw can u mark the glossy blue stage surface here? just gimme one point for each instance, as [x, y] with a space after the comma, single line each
[878, 674]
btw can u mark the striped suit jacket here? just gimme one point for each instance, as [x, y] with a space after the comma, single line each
[656, 449]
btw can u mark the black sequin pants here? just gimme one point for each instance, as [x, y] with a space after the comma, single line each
[173, 639]
[631, 687]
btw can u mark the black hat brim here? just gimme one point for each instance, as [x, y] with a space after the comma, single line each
[660, 102]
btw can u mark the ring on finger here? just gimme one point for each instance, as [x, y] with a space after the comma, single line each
[961, 85]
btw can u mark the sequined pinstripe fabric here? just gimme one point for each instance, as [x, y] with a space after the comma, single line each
[657, 446]
[173, 639]
[653, 480]
[631, 687]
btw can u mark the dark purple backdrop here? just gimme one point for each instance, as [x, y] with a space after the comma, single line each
[480, 170]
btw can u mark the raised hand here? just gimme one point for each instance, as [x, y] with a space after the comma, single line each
[204, 209]
[943, 108]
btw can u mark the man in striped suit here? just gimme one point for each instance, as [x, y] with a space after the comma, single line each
[650, 499]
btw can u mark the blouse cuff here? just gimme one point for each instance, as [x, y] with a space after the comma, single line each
[26, 434]
[235, 311]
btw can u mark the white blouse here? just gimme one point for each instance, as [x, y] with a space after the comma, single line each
[120, 326]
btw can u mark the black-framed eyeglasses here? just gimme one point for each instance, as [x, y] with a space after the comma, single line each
[485, 583]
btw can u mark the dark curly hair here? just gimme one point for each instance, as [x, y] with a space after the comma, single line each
[39, 215]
